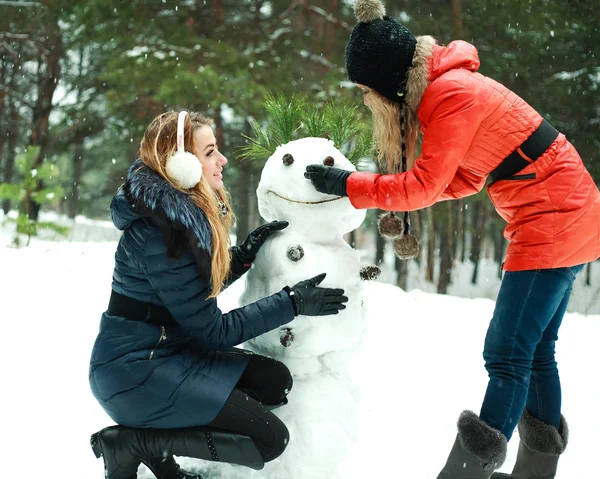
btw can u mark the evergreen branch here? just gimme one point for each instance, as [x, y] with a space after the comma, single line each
[260, 146]
[9, 191]
[363, 147]
[313, 121]
[342, 123]
[47, 195]
[284, 117]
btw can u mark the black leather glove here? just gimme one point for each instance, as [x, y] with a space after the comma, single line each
[328, 179]
[310, 300]
[246, 252]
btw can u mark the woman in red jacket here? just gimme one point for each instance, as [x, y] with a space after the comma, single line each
[474, 128]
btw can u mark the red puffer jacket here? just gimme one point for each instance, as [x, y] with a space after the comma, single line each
[470, 124]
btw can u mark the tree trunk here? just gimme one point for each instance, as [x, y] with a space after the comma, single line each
[12, 132]
[219, 134]
[43, 106]
[77, 173]
[219, 13]
[302, 17]
[78, 148]
[457, 226]
[457, 23]
[402, 273]
[477, 232]
[3, 101]
[330, 35]
[430, 247]
[499, 247]
[464, 213]
[445, 265]
[446, 250]
[416, 230]
[11, 147]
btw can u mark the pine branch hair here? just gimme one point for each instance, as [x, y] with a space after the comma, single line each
[157, 145]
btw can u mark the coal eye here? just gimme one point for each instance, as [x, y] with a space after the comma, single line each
[288, 159]
[329, 161]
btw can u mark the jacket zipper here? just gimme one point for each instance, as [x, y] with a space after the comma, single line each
[163, 335]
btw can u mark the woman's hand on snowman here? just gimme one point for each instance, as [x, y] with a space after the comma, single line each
[246, 252]
[328, 179]
[310, 300]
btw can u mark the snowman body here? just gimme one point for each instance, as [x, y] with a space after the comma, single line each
[318, 350]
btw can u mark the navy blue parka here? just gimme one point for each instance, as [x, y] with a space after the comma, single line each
[180, 374]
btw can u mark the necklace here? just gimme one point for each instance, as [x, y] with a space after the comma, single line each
[223, 210]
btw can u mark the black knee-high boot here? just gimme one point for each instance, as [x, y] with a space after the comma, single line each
[123, 448]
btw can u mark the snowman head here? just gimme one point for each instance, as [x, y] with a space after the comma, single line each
[284, 194]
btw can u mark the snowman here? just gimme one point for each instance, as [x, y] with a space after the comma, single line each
[319, 350]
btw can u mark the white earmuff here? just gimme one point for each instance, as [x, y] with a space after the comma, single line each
[183, 168]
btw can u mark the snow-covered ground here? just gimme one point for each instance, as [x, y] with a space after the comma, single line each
[422, 366]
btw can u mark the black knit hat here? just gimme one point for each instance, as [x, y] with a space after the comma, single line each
[380, 51]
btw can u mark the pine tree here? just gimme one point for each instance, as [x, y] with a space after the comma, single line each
[28, 191]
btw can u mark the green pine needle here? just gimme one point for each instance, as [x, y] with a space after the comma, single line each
[260, 146]
[362, 148]
[313, 121]
[342, 122]
[284, 117]
[289, 120]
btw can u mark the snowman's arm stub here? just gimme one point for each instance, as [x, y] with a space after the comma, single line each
[370, 272]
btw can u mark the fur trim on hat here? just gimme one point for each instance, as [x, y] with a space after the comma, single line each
[480, 440]
[369, 10]
[418, 75]
[183, 224]
[541, 437]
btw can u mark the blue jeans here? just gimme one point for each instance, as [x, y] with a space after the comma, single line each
[520, 345]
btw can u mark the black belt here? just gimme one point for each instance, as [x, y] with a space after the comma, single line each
[130, 308]
[532, 148]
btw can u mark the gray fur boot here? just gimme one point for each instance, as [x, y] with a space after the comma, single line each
[539, 449]
[477, 452]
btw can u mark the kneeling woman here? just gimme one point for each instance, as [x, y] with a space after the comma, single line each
[163, 365]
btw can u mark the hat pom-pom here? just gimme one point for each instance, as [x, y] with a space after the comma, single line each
[184, 169]
[406, 247]
[369, 10]
[390, 226]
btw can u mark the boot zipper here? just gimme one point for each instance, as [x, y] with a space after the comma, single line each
[163, 335]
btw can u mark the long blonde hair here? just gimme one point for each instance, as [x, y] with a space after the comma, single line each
[389, 119]
[158, 144]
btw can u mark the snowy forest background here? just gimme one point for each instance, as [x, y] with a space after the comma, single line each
[80, 81]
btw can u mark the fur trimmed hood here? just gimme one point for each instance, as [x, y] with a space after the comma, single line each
[146, 195]
[431, 60]
[418, 75]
